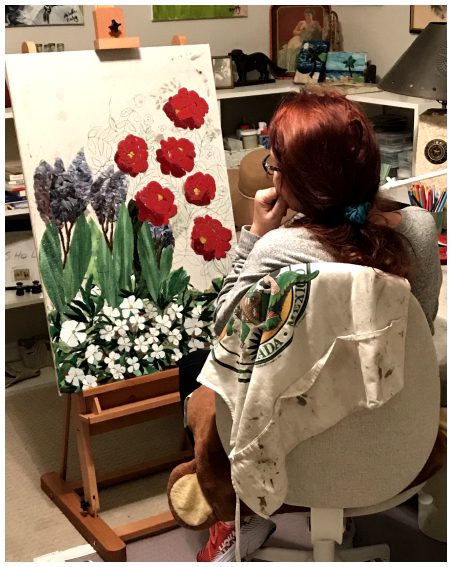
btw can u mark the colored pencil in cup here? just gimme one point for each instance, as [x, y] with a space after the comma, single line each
[430, 200]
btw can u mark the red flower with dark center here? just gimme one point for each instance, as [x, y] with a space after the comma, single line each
[176, 156]
[199, 189]
[209, 238]
[155, 204]
[132, 155]
[186, 109]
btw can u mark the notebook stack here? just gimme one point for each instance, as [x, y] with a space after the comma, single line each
[15, 196]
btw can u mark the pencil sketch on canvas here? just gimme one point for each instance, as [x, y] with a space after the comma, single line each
[129, 202]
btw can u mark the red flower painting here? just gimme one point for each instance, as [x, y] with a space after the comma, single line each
[199, 189]
[132, 155]
[186, 109]
[210, 239]
[176, 156]
[155, 204]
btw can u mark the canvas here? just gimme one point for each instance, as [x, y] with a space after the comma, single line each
[129, 201]
[311, 61]
[345, 67]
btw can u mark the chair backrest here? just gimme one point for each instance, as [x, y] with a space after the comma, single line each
[371, 455]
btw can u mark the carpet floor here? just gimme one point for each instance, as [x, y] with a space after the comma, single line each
[396, 527]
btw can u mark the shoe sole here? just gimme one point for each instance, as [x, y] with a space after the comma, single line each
[230, 553]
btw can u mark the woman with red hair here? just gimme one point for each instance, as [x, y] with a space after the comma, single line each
[325, 165]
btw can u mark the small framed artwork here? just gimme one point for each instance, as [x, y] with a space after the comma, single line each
[197, 12]
[31, 15]
[420, 16]
[291, 26]
[222, 72]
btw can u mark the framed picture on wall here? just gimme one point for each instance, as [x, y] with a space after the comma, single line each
[420, 16]
[197, 12]
[31, 15]
[291, 26]
[222, 72]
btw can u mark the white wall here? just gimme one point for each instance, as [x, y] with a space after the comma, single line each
[382, 31]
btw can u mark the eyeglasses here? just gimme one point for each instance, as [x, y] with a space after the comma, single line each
[268, 168]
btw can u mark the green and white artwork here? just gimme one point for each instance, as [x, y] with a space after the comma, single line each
[129, 202]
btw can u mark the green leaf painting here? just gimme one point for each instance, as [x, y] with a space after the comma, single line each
[51, 267]
[148, 260]
[166, 261]
[106, 272]
[78, 258]
[123, 249]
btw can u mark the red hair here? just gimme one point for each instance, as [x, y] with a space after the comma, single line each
[329, 159]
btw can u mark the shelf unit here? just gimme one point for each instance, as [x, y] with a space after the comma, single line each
[376, 100]
[13, 301]
[16, 212]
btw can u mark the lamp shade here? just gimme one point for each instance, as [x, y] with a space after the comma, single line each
[422, 70]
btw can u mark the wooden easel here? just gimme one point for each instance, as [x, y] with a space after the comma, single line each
[107, 408]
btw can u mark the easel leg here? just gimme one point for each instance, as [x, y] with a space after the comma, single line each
[67, 423]
[88, 471]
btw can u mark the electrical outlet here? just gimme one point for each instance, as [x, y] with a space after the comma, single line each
[21, 274]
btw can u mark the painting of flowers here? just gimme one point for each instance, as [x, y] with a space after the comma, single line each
[131, 212]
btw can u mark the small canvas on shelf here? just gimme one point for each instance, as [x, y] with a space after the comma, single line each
[311, 61]
[345, 67]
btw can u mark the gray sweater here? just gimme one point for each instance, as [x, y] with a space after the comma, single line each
[257, 256]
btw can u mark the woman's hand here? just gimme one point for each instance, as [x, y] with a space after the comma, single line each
[269, 210]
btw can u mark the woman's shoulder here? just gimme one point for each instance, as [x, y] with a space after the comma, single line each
[284, 235]
[416, 219]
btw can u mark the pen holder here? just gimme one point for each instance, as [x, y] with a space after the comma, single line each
[439, 218]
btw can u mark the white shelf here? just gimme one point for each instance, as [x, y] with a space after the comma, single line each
[13, 301]
[16, 212]
[278, 87]
[385, 98]
[9, 113]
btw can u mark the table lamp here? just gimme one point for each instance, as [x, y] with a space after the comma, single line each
[422, 72]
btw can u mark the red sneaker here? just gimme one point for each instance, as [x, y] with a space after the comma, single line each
[221, 544]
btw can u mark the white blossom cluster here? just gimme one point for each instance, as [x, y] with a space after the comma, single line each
[131, 338]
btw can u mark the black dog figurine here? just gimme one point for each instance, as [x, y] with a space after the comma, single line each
[255, 61]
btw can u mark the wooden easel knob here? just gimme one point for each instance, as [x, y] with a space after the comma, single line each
[29, 47]
[179, 40]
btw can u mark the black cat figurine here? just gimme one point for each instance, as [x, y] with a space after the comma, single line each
[255, 61]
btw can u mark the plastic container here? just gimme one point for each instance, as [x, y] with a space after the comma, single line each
[439, 218]
[232, 144]
[250, 139]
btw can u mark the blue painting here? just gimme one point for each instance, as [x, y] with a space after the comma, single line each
[345, 67]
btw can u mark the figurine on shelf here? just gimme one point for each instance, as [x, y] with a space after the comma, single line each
[254, 62]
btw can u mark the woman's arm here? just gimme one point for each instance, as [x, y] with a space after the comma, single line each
[269, 210]
[255, 258]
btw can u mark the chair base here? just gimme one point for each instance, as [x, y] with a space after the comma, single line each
[323, 551]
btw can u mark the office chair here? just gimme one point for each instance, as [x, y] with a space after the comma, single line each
[364, 464]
